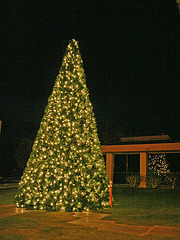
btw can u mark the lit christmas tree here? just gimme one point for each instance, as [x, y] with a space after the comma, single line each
[66, 169]
[157, 164]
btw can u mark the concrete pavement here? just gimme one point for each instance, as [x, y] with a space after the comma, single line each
[95, 220]
[10, 210]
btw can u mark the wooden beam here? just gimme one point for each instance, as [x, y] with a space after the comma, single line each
[146, 138]
[137, 148]
[143, 150]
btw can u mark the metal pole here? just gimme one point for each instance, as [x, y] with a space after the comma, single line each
[126, 166]
[110, 193]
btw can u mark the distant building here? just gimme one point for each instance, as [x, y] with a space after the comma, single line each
[146, 139]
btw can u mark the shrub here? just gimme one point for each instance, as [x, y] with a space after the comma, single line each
[153, 180]
[171, 181]
[133, 180]
[158, 164]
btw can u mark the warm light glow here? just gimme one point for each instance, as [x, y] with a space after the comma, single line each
[66, 168]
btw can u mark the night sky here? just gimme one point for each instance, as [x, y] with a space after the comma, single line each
[130, 51]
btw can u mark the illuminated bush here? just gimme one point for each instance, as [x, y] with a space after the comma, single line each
[157, 164]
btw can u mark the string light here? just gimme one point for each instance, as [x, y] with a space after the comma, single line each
[66, 168]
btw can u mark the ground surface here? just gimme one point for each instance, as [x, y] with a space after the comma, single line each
[95, 221]
[137, 214]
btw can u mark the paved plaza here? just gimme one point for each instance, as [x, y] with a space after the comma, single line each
[95, 220]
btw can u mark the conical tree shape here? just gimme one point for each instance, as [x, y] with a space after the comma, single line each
[66, 168]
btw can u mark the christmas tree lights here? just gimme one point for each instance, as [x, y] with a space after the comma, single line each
[66, 169]
[158, 164]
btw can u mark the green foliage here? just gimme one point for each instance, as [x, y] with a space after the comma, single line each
[66, 168]
[153, 179]
[171, 180]
[133, 180]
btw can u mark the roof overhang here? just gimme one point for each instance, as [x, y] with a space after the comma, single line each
[137, 148]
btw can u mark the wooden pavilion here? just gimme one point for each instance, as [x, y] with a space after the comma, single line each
[139, 145]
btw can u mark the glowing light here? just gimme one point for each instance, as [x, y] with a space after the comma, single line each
[66, 168]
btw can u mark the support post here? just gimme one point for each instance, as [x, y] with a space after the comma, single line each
[143, 169]
[110, 165]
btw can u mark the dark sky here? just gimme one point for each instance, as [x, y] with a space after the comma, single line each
[130, 51]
